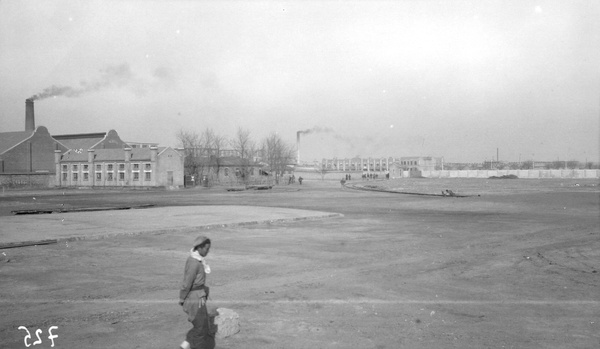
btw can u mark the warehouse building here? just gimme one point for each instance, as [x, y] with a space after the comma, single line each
[127, 167]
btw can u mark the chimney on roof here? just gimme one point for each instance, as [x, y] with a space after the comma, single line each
[127, 154]
[29, 117]
[153, 153]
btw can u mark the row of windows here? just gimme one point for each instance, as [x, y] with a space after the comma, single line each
[409, 163]
[365, 166]
[109, 176]
[109, 167]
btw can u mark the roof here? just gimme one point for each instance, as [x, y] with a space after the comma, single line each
[85, 141]
[10, 139]
[81, 135]
[103, 155]
[79, 143]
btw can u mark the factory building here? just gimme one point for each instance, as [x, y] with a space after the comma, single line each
[34, 157]
[126, 167]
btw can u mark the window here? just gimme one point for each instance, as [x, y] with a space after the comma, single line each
[121, 176]
[65, 176]
[65, 167]
[226, 172]
[109, 176]
[148, 172]
[74, 167]
[86, 176]
[121, 167]
[98, 176]
[110, 167]
[136, 176]
[252, 171]
[98, 167]
[75, 177]
[85, 167]
[136, 167]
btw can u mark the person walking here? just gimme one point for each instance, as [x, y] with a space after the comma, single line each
[193, 295]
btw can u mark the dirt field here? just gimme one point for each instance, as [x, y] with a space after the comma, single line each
[514, 265]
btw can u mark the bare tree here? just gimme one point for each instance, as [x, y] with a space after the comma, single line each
[245, 147]
[207, 143]
[277, 153]
[242, 143]
[219, 143]
[191, 142]
[202, 150]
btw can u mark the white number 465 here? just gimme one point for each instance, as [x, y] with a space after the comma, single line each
[37, 334]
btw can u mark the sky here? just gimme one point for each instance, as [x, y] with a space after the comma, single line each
[465, 80]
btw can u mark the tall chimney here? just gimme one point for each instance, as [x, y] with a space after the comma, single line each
[298, 147]
[29, 117]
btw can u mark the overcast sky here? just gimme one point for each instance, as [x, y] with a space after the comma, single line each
[458, 79]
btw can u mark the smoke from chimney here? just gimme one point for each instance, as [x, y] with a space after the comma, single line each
[118, 75]
[316, 129]
[29, 115]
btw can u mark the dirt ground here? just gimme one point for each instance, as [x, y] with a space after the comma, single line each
[515, 264]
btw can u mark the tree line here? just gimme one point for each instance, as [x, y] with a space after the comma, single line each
[207, 150]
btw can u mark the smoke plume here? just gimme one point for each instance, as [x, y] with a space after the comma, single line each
[111, 76]
[316, 129]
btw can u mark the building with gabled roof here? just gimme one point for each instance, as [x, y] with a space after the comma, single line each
[85, 141]
[28, 151]
[102, 159]
[124, 167]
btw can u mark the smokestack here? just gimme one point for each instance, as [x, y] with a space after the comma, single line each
[298, 147]
[29, 117]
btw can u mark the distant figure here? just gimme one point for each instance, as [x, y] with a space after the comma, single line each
[343, 181]
[450, 192]
[300, 180]
[443, 193]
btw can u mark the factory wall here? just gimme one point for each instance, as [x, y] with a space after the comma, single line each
[36, 154]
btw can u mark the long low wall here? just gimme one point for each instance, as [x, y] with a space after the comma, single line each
[25, 180]
[328, 175]
[518, 173]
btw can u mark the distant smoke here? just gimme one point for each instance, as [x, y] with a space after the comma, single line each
[112, 76]
[316, 129]
[351, 143]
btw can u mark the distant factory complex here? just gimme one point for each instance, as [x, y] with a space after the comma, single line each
[102, 159]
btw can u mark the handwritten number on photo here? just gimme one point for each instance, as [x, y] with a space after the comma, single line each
[51, 336]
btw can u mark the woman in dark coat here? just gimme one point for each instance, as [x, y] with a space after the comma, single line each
[193, 295]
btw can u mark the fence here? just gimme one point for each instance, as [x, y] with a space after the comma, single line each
[519, 173]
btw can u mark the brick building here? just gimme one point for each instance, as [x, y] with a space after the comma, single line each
[28, 151]
[83, 160]
[120, 167]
